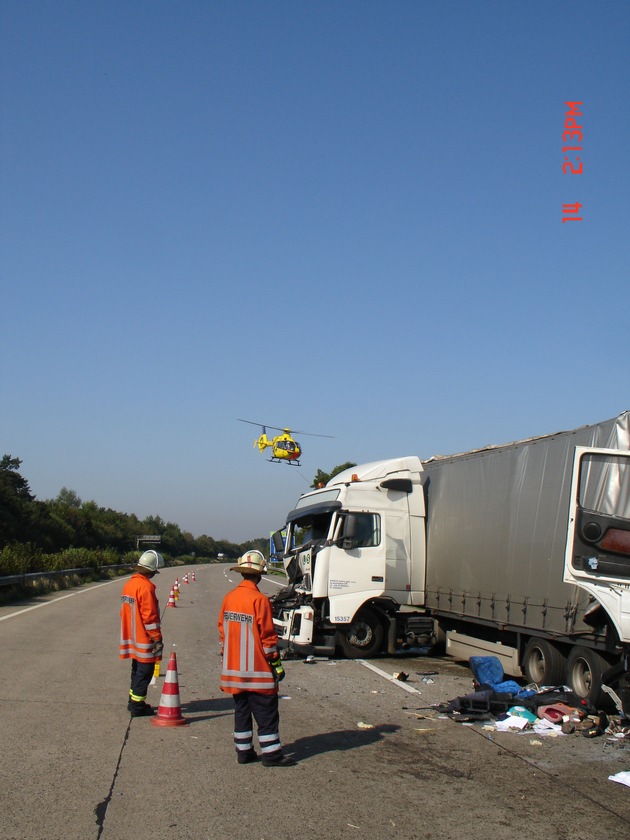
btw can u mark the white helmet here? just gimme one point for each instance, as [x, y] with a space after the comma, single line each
[152, 561]
[251, 563]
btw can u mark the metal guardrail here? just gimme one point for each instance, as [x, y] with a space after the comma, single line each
[10, 580]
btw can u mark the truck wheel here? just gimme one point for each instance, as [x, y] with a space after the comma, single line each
[543, 663]
[584, 675]
[362, 638]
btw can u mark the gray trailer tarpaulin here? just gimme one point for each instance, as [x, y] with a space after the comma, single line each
[497, 527]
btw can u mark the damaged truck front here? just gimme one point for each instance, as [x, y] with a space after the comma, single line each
[357, 549]
[520, 551]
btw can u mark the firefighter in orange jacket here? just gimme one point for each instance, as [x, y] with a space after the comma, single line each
[251, 665]
[141, 633]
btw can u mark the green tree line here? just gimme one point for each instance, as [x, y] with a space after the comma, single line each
[32, 531]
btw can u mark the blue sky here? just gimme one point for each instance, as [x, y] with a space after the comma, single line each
[343, 217]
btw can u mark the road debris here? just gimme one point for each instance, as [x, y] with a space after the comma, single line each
[506, 706]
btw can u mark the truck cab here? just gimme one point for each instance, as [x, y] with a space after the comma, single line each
[350, 568]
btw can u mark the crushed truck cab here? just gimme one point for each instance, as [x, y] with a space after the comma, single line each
[356, 561]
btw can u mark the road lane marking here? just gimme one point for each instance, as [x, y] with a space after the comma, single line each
[282, 582]
[55, 600]
[389, 677]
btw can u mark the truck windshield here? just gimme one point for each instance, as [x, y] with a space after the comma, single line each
[311, 529]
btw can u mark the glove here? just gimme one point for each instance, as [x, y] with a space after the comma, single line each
[276, 667]
[158, 647]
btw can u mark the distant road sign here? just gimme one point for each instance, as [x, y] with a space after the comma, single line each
[148, 538]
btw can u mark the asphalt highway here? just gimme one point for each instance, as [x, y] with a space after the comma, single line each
[374, 759]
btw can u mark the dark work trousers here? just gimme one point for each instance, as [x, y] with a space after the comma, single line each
[264, 709]
[141, 674]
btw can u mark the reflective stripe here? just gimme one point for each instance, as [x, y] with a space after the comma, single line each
[243, 740]
[271, 748]
[247, 685]
[136, 697]
[261, 675]
[152, 626]
[252, 679]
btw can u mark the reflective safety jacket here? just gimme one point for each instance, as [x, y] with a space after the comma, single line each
[139, 620]
[248, 640]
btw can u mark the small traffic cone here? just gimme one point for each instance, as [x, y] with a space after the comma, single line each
[193, 577]
[171, 600]
[186, 579]
[170, 709]
[176, 590]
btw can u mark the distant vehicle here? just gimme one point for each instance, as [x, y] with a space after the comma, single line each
[284, 447]
[521, 551]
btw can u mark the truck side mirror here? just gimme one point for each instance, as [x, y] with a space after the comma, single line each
[349, 531]
[278, 544]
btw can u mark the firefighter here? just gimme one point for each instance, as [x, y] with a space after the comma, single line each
[141, 634]
[251, 665]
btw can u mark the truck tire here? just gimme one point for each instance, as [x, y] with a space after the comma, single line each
[363, 638]
[544, 663]
[584, 675]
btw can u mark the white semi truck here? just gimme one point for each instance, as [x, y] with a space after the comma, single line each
[520, 551]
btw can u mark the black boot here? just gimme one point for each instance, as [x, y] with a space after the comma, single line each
[279, 761]
[246, 757]
[138, 708]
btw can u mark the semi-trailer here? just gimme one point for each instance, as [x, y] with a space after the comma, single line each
[521, 551]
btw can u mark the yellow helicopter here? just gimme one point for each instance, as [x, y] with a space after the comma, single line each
[284, 447]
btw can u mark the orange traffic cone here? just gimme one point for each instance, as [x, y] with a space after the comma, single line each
[170, 709]
[171, 600]
[176, 590]
[193, 577]
[186, 579]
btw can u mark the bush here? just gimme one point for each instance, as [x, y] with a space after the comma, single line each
[80, 558]
[19, 559]
[25, 558]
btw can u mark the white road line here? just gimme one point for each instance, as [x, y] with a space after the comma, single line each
[389, 677]
[55, 600]
[282, 582]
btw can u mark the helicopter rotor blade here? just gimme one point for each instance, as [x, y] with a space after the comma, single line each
[284, 429]
[262, 425]
[310, 434]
